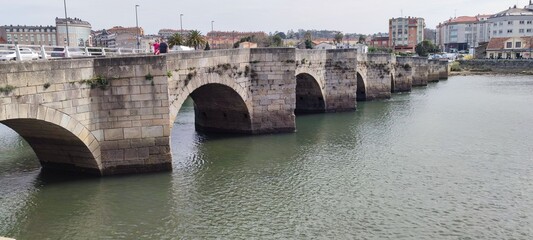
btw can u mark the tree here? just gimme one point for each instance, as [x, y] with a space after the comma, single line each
[362, 39]
[276, 41]
[282, 35]
[308, 36]
[207, 47]
[195, 39]
[175, 40]
[425, 47]
[338, 37]
[308, 44]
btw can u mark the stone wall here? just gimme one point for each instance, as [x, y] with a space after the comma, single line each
[341, 80]
[433, 70]
[498, 65]
[443, 69]
[273, 87]
[420, 71]
[335, 73]
[403, 81]
[238, 91]
[50, 107]
[132, 114]
[378, 70]
[218, 82]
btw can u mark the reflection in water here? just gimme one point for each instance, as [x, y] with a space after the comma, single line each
[452, 160]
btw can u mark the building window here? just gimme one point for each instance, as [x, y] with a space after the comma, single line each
[521, 30]
[495, 24]
[501, 23]
[529, 30]
[509, 30]
[529, 22]
[518, 45]
[495, 32]
[509, 22]
[509, 45]
[500, 32]
[521, 22]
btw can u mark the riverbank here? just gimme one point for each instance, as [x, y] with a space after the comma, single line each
[492, 66]
[480, 73]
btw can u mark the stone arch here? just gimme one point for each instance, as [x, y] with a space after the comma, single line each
[219, 107]
[361, 88]
[309, 95]
[59, 141]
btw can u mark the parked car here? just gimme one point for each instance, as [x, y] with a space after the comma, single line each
[25, 54]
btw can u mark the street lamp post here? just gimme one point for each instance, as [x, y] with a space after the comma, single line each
[137, 25]
[181, 22]
[213, 34]
[66, 21]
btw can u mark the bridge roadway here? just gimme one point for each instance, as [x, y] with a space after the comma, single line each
[114, 115]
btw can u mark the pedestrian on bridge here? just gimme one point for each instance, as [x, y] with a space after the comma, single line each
[156, 47]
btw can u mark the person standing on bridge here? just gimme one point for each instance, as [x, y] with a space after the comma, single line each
[156, 47]
[163, 47]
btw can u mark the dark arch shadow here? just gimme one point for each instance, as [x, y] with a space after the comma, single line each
[309, 97]
[57, 148]
[220, 109]
[361, 88]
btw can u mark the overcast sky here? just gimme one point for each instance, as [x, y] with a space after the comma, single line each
[348, 16]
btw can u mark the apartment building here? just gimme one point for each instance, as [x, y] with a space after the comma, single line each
[405, 33]
[79, 32]
[29, 35]
[513, 22]
[379, 40]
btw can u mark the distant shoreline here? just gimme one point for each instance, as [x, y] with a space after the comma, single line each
[474, 73]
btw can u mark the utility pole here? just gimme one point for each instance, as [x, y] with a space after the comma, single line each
[212, 34]
[137, 25]
[66, 21]
[181, 22]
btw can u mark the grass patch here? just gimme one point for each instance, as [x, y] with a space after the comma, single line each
[7, 89]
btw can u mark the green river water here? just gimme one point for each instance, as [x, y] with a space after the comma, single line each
[453, 160]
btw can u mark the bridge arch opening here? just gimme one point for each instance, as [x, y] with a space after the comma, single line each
[309, 97]
[220, 109]
[361, 88]
[58, 148]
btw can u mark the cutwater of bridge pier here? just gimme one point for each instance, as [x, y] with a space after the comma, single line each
[114, 115]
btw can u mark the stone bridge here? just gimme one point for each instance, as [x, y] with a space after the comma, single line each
[114, 115]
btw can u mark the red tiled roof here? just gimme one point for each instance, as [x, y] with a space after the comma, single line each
[463, 19]
[499, 43]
